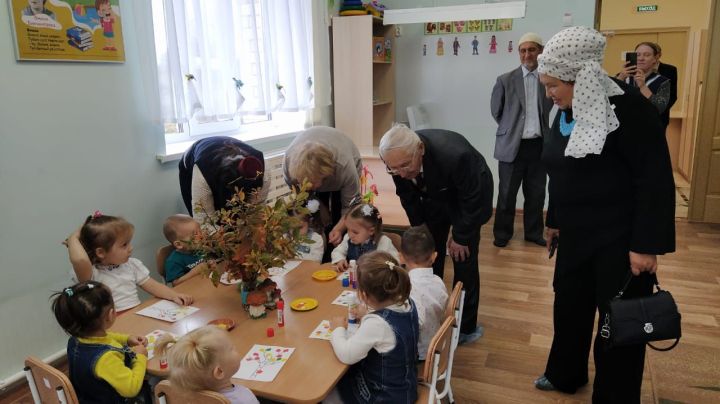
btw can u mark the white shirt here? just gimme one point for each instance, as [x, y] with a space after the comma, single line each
[314, 251]
[339, 253]
[430, 296]
[373, 333]
[122, 282]
[532, 116]
[238, 394]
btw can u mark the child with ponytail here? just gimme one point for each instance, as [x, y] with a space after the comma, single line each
[383, 350]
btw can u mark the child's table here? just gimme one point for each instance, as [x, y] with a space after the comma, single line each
[312, 370]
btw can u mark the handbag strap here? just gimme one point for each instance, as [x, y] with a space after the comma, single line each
[664, 349]
[630, 278]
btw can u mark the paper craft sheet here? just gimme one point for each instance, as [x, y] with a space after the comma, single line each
[153, 338]
[167, 311]
[263, 363]
[224, 279]
[344, 298]
[289, 266]
[343, 275]
[322, 331]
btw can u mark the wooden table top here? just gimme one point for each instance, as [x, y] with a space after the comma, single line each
[312, 370]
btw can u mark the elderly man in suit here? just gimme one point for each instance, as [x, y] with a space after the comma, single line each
[444, 182]
[521, 110]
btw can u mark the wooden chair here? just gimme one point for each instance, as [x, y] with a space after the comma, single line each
[47, 384]
[395, 238]
[160, 256]
[455, 302]
[166, 393]
[438, 363]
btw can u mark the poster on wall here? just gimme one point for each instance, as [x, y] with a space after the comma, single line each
[67, 30]
[469, 26]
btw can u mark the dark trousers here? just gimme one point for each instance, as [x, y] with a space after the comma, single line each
[333, 202]
[583, 284]
[528, 171]
[466, 272]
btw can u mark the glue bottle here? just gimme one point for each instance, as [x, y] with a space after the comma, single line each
[352, 273]
[352, 315]
[281, 313]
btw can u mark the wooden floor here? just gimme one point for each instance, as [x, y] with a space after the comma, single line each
[516, 311]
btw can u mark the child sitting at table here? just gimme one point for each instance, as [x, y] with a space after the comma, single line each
[383, 350]
[100, 250]
[311, 251]
[364, 234]
[182, 264]
[428, 291]
[205, 359]
[104, 367]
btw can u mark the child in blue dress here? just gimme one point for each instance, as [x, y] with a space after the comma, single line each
[383, 350]
[104, 367]
[364, 234]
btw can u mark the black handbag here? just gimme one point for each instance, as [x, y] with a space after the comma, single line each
[642, 320]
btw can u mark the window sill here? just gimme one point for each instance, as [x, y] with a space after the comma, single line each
[256, 136]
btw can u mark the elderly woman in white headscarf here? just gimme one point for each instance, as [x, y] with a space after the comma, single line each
[611, 208]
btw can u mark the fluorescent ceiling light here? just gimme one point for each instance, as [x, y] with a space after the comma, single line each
[486, 11]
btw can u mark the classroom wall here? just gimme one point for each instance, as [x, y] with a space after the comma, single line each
[623, 14]
[74, 138]
[456, 89]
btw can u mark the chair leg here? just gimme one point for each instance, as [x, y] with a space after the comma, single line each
[450, 396]
[33, 387]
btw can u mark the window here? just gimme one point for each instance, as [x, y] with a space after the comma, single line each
[233, 66]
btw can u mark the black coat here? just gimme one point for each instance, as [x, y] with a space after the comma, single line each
[671, 73]
[627, 191]
[458, 186]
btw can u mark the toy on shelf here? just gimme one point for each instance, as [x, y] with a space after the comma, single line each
[352, 7]
[375, 8]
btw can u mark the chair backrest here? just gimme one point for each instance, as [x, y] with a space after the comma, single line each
[47, 384]
[395, 238]
[438, 355]
[166, 393]
[160, 256]
[453, 302]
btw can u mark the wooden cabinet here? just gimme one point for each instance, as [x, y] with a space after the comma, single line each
[364, 85]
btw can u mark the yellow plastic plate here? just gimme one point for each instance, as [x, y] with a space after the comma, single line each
[325, 275]
[304, 304]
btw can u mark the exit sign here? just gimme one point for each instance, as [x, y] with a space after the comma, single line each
[647, 8]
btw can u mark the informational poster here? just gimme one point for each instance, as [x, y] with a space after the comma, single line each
[469, 26]
[67, 30]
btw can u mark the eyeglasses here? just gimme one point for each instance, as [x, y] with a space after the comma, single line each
[404, 167]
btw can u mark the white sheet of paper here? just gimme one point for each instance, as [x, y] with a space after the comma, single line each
[344, 298]
[224, 279]
[322, 331]
[263, 362]
[343, 275]
[153, 338]
[167, 311]
[289, 266]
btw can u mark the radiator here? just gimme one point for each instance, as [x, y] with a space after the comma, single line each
[274, 171]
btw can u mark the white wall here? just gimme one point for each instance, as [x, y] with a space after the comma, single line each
[74, 137]
[456, 89]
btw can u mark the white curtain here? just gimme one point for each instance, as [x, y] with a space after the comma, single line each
[202, 46]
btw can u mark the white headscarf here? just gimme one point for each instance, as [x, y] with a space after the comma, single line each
[575, 54]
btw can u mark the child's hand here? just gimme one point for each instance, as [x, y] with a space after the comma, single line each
[74, 235]
[135, 340]
[360, 311]
[183, 299]
[341, 266]
[140, 349]
[338, 322]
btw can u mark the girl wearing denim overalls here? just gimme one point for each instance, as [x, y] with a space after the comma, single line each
[383, 350]
[104, 367]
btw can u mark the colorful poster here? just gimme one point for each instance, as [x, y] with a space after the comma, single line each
[488, 25]
[68, 30]
[431, 28]
[459, 27]
[504, 24]
[473, 25]
[445, 27]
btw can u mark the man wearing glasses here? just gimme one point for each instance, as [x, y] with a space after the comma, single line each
[444, 183]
